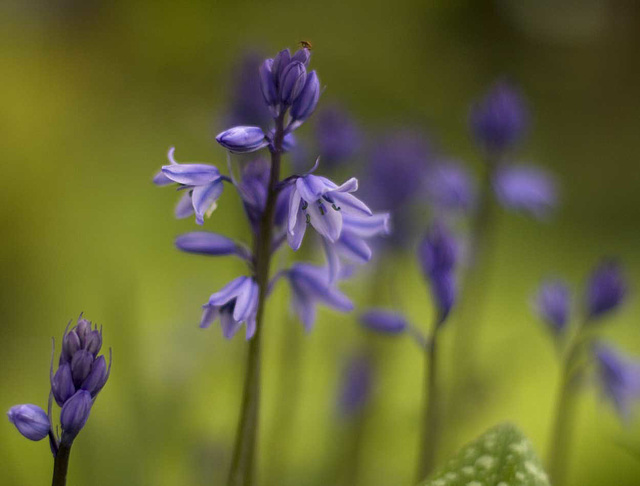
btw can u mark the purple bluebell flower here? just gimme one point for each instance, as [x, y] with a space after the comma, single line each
[242, 139]
[552, 304]
[337, 136]
[606, 289]
[246, 100]
[74, 415]
[321, 203]
[437, 254]
[310, 285]
[500, 119]
[207, 243]
[30, 420]
[356, 386]
[384, 321]
[235, 304]
[202, 183]
[450, 187]
[527, 189]
[619, 377]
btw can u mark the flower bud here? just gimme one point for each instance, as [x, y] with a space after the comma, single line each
[302, 55]
[292, 81]
[30, 420]
[267, 83]
[606, 290]
[74, 415]
[552, 304]
[306, 102]
[82, 328]
[81, 366]
[97, 377]
[62, 385]
[93, 342]
[383, 321]
[70, 344]
[242, 139]
[280, 62]
[206, 243]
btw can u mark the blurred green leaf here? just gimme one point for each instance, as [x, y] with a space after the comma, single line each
[503, 456]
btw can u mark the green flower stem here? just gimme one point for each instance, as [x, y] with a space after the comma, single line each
[242, 472]
[60, 465]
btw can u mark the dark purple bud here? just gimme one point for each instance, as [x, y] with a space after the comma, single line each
[552, 304]
[280, 62]
[619, 378]
[70, 344]
[93, 342]
[242, 140]
[97, 377]
[306, 102]
[62, 385]
[292, 81]
[268, 83]
[30, 420]
[384, 321]
[500, 119]
[81, 366]
[356, 386]
[206, 243]
[74, 415]
[437, 251]
[606, 289]
[302, 55]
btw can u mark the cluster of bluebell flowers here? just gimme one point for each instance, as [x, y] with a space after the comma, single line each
[278, 209]
[81, 375]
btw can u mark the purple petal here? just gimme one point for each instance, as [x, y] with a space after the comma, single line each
[228, 292]
[184, 208]
[311, 188]
[191, 174]
[206, 243]
[203, 198]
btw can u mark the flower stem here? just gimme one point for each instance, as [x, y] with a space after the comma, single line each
[242, 470]
[430, 438]
[60, 465]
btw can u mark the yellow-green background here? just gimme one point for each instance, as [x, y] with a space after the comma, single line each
[93, 93]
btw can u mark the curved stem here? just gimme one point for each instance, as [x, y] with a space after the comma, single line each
[61, 465]
[243, 462]
[430, 438]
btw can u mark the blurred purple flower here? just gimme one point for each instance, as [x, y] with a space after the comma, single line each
[450, 187]
[500, 119]
[619, 378]
[384, 321]
[310, 285]
[337, 136]
[246, 101]
[552, 304]
[236, 303]
[30, 420]
[356, 386]
[527, 189]
[606, 289]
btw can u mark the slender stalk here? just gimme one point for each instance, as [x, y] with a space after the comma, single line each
[242, 470]
[61, 465]
[430, 438]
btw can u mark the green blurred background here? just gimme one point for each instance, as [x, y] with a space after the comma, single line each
[92, 95]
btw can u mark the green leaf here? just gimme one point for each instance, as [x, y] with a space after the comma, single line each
[503, 456]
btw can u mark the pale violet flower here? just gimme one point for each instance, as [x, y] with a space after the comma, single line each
[234, 304]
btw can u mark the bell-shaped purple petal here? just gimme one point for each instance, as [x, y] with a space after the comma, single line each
[292, 81]
[527, 189]
[247, 301]
[367, 226]
[552, 304]
[160, 179]
[30, 420]
[619, 378]
[207, 243]
[384, 321]
[242, 139]
[229, 291]
[74, 415]
[184, 208]
[204, 199]
[606, 289]
[191, 174]
[306, 102]
[62, 385]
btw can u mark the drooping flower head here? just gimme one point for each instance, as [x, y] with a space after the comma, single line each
[235, 304]
[437, 254]
[526, 189]
[552, 304]
[606, 289]
[619, 378]
[500, 119]
[356, 386]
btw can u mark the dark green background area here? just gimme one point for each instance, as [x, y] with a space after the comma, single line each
[93, 93]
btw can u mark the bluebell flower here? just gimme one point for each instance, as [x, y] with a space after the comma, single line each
[450, 187]
[356, 386]
[202, 183]
[552, 304]
[606, 289]
[437, 254]
[310, 285]
[527, 189]
[337, 136]
[242, 139]
[384, 321]
[236, 303]
[619, 378]
[30, 420]
[321, 203]
[500, 119]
